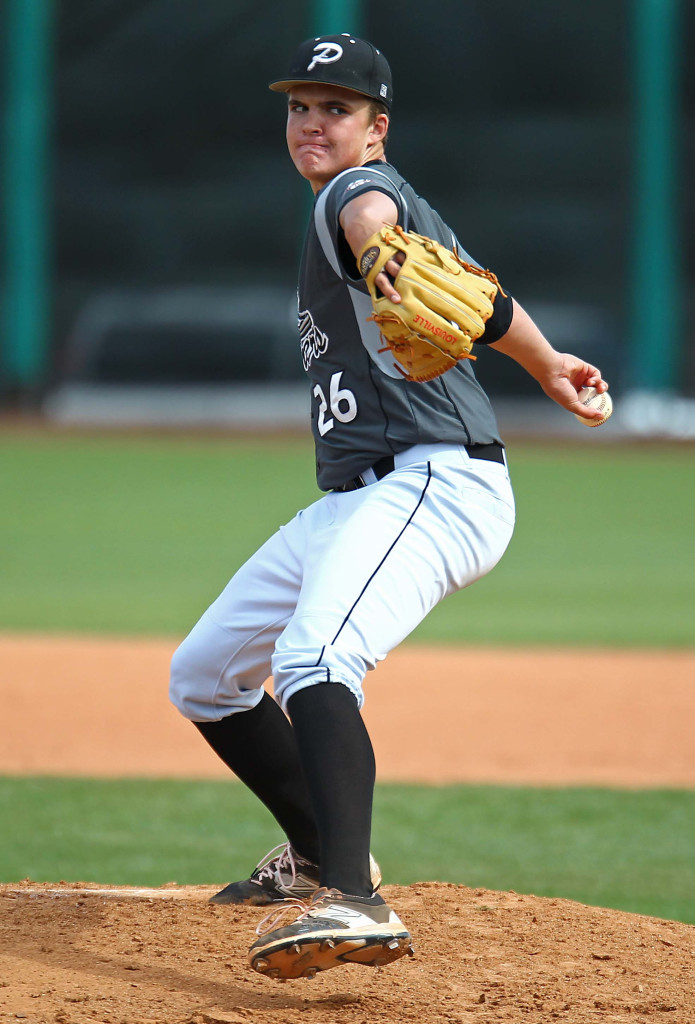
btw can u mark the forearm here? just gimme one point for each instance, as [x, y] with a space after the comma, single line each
[560, 374]
[526, 345]
[359, 220]
[365, 215]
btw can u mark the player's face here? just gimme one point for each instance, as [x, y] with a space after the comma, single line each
[330, 129]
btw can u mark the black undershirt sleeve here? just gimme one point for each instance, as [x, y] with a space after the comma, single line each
[500, 321]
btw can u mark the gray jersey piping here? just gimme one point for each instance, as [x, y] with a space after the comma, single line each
[370, 334]
[321, 222]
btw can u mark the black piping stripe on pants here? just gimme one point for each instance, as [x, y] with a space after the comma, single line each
[361, 593]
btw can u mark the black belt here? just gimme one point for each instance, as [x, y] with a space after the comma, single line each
[490, 452]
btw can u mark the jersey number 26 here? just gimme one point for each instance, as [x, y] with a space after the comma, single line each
[341, 402]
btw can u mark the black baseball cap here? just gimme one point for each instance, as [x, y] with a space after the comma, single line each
[342, 60]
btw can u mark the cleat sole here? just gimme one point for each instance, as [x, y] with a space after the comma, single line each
[292, 959]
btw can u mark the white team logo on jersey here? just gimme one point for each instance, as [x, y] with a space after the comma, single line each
[312, 339]
[325, 53]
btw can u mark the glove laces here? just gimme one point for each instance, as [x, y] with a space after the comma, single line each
[434, 247]
[480, 272]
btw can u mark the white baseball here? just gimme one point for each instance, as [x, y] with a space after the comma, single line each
[593, 399]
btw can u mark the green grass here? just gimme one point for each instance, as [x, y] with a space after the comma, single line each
[602, 554]
[628, 850]
[138, 534]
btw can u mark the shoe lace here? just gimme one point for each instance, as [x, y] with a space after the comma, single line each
[279, 858]
[301, 907]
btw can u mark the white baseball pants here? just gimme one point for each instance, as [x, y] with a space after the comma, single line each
[342, 584]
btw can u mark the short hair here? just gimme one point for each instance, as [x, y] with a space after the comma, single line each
[376, 107]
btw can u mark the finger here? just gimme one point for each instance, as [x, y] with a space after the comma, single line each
[593, 379]
[385, 285]
[566, 394]
[394, 265]
[585, 413]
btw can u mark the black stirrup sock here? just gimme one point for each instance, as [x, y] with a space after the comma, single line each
[339, 769]
[261, 749]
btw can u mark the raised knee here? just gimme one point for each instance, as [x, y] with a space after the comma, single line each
[206, 685]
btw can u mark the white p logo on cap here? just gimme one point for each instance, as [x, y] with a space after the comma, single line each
[325, 53]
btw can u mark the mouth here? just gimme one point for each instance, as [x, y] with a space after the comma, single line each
[311, 147]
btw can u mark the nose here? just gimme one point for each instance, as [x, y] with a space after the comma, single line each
[312, 123]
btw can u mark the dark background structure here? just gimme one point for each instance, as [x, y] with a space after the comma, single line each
[170, 182]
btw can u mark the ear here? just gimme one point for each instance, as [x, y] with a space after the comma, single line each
[379, 129]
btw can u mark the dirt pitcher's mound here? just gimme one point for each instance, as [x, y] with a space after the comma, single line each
[72, 955]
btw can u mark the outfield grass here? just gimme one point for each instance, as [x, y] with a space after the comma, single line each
[628, 850]
[138, 534]
[602, 554]
[135, 534]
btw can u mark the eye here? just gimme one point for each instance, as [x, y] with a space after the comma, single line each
[296, 107]
[336, 109]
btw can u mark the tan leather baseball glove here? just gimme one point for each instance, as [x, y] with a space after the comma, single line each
[445, 302]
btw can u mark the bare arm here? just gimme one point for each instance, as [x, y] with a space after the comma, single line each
[560, 374]
[359, 219]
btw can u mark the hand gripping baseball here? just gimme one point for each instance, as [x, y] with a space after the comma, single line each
[445, 302]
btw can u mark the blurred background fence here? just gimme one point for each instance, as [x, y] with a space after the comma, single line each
[152, 221]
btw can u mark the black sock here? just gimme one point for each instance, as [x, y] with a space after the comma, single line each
[339, 769]
[261, 749]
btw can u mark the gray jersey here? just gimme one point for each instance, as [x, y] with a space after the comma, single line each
[362, 407]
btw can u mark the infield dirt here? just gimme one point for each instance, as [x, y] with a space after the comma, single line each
[168, 957]
[76, 953]
[96, 706]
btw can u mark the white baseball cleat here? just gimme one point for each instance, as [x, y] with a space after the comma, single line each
[333, 929]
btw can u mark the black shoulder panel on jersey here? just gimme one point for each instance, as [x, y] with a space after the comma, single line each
[358, 180]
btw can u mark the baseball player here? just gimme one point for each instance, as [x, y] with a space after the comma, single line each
[418, 504]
